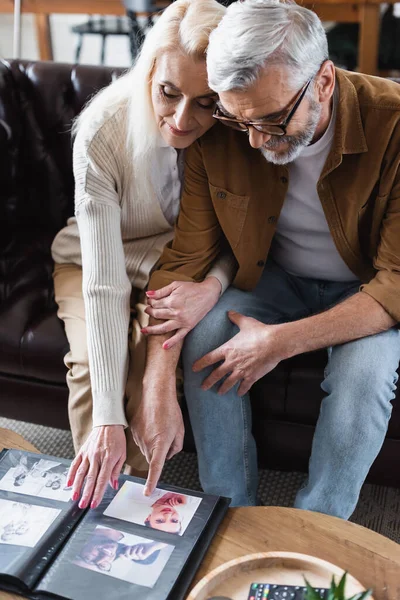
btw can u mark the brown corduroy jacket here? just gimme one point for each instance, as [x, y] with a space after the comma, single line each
[232, 195]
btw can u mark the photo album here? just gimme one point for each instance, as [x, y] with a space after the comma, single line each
[129, 546]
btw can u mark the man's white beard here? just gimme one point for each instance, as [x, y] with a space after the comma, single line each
[296, 142]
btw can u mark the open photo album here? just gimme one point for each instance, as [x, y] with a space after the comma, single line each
[129, 546]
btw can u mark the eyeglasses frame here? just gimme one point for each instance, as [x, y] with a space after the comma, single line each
[281, 127]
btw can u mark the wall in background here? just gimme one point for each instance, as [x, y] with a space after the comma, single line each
[64, 41]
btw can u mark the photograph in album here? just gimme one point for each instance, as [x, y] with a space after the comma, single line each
[165, 511]
[124, 556]
[24, 524]
[34, 476]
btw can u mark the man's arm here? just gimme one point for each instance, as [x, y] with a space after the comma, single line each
[198, 235]
[259, 348]
[357, 317]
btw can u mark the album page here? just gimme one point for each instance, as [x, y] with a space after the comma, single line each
[36, 515]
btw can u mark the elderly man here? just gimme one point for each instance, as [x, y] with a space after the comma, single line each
[301, 178]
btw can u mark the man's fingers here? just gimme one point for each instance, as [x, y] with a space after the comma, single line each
[236, 318]
[161, 328]
[161, 293]
[209, 359]
[215, 376]
[156, 466]
[245, 387]
[228, 384]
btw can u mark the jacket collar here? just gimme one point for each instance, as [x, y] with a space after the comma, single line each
[349, 135]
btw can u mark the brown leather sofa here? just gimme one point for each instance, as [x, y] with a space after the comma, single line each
[37, 103]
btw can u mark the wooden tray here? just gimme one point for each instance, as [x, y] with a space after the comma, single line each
[233, 579]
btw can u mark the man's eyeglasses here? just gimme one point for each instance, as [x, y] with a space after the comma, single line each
[268, 128]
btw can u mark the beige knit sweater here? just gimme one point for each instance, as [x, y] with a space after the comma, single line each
[117, 238]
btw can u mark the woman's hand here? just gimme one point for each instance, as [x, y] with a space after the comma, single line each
[181, 305]
[100, 460]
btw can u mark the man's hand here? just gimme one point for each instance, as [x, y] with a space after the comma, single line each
[182, 305]
[100, 461]
[248, 356]
[157, 426]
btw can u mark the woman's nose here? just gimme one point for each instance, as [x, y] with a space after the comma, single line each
[257, 138]
[183, 117]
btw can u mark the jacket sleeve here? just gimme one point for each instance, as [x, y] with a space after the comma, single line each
[385, 286]
[198, 235]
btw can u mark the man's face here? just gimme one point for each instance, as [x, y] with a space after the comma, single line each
[100, 552]
[267, 101]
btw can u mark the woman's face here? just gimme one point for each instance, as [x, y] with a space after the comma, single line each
[165, 518]
[182, 101]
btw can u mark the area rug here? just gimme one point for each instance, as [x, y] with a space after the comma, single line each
[378, 507]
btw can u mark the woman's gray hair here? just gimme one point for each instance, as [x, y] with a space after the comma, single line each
[256, 34]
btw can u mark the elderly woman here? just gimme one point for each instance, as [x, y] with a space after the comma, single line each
[128, 167]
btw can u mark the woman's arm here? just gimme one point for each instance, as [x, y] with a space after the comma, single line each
[224, 269]
[183, 304]
[106, 291]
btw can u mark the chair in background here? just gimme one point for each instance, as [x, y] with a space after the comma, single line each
[129, 26]
[103, 26]
[135, 9]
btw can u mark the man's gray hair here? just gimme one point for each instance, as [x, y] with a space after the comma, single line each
[256, 34]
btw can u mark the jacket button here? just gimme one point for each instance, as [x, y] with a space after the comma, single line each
[260, 263]
[221, 195]
[284, 179]
[271, 219]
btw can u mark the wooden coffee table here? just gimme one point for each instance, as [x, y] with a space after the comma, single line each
[370, 557]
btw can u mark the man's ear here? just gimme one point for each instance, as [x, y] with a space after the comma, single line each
[325, 81]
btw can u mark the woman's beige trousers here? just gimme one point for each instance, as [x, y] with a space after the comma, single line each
[68, 295]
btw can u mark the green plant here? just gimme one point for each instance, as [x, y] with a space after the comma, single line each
[336, 592]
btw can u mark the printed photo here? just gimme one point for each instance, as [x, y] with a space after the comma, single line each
[124, 556]
[37, 477]
[166, 511]
[24, 524]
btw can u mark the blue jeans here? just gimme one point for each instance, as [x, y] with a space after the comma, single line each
[360, 382]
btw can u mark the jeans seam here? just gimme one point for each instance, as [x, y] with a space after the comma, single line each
[245, 453]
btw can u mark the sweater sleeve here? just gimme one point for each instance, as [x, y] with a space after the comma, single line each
[224, 270]
[106, 287]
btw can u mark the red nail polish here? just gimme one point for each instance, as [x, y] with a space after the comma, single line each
[115, 485]
[94, 504]
[150, 293]
[82, 504]
[75, 496]
[165, 346]
[69, 483]
[144, 330]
